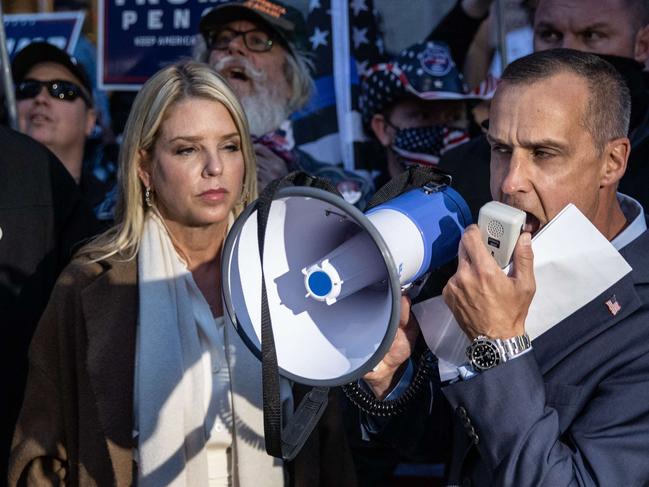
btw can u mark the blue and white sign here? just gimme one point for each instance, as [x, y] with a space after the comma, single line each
[59, 28]
[139, 37]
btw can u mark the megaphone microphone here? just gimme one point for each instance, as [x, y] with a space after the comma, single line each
[334, 275]
[500, 226]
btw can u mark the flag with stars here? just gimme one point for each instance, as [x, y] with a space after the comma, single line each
[427, 144]
[344, 40]
[613, 306]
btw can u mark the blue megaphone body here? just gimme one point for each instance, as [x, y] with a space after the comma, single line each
[421, 230]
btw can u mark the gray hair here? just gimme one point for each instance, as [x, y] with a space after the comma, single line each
[608, 110]
[298, 66]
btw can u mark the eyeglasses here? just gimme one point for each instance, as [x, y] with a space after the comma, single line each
[57, 88]
[255, 40]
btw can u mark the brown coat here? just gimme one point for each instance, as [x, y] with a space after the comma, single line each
[75, 426]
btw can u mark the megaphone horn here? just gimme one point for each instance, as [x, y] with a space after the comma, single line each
[334, 275]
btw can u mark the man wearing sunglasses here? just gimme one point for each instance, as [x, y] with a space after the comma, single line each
[259, 47]
[55, 107]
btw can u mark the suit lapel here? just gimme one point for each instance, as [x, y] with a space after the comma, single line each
[110, 310]
[597, 316]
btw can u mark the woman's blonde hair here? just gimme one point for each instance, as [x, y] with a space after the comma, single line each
[186, 79]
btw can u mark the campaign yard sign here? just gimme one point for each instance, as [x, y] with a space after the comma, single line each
[139, 37]
[59, 28]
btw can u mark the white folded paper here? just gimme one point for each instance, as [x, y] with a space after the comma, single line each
[573, 264]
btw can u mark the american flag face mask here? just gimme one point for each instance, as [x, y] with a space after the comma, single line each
[425, 145]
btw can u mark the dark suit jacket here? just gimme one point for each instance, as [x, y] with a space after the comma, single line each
[42, 217]
[573, 412]
[77, 418]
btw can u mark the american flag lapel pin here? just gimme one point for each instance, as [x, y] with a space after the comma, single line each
[613, 306]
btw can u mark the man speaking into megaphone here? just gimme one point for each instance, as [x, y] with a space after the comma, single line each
[571, 406]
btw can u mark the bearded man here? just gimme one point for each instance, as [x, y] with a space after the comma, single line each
[258, 46]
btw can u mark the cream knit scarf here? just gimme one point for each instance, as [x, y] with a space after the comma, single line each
[170, 415]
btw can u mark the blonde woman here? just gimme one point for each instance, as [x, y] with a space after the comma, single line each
[134, 376]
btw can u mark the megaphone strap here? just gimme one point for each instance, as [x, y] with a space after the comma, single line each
[413, 177]
[282, 442]
[366, 402]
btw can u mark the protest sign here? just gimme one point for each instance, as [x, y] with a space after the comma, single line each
[139, 37]
[61, 29]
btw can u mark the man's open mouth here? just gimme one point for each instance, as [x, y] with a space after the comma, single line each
[532, 223]
[238, 74]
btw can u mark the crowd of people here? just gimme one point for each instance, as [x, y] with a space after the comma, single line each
[124, 367]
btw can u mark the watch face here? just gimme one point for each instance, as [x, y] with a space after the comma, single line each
[483, 355]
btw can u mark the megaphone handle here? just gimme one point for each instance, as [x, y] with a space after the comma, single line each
[282, 443]
[413, 177]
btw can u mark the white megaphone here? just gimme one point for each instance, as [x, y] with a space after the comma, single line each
[334, 275]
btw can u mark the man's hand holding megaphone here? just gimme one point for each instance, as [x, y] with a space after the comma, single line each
[389, 370]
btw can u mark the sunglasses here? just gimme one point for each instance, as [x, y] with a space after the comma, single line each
[57, 88]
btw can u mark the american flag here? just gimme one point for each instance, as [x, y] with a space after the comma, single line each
[613, 306]
[345, 40]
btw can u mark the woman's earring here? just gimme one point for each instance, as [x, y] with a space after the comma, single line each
[147, 197]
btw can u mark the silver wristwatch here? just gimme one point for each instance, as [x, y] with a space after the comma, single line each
[485, 353]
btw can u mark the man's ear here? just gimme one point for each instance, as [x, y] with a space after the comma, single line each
[617, 154]
[144, 168]
[382, 130]
[641, 53]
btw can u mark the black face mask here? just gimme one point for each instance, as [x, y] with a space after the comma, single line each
[636, 80]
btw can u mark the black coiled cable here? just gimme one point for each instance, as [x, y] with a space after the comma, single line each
[366, 402]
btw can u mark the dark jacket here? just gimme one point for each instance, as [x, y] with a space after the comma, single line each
[42, 218]
[573, 411]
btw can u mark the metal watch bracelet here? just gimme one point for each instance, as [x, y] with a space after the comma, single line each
[511, 347]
